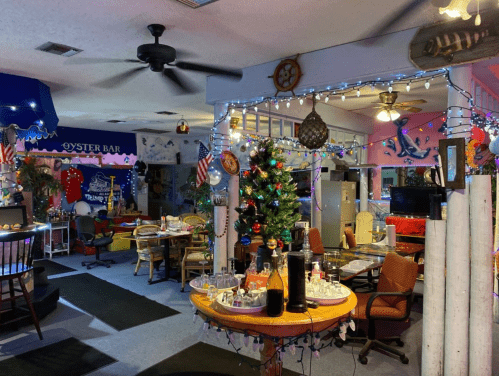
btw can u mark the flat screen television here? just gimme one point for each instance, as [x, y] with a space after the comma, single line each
[413, 200]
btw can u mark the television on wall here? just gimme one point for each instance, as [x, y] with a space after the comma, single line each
[413, 200]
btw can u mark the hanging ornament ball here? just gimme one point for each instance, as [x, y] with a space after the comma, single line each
[248, 190]
[313, 132]
[256, 227]
[253, 153]
[278, 185]
[215, 175]
[270, 188]
[264, 174]
[271, 244]
[262, 150]
[285, 233]
[478, 134]
[275, 203]
[253, 167]
[245, 240]
[251, 202]
[280, 244]
[246, 173]
[272, 162]
[279, 165]
[494, 146]
[244, 205]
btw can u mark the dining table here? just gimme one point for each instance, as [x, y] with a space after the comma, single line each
[164, 237]
[274, 331]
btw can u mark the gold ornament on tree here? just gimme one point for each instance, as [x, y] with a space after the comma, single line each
[271, 244]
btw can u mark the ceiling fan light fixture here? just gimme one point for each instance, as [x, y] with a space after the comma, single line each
[387, 115]
[457, 8]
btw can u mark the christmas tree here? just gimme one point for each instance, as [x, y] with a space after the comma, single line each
[268, 198]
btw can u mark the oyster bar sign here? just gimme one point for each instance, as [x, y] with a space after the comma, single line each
[94, 148]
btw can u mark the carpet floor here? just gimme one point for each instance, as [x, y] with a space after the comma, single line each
[116, 306]
[52, 268]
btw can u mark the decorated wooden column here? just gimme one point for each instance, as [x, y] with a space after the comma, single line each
[221, 223]
[432, 363]
[8, 175]
[496, 258]
[233, 214]
[457, 251]
[316, 192]
[481, 284]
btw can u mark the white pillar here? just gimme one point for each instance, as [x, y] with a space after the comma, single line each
[7, 170]
[457, 251]
[220, 212]
[481, 285]
[457, 283]
[316, 196]
[432, 363]
[233, 214]
[496, 246]
[364, 190]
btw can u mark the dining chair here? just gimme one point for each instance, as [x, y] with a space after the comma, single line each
[85, 229]
[16, 250]
[350, 237]
[148, 249]
[392, 301]
[315, 241]
[191, 262]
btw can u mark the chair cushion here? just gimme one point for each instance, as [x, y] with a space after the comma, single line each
[102, 242]
[379, 308]
[194, 258]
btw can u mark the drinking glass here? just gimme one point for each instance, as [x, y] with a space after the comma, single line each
[212, 293]
[204, 262]
[266, 268]
[205, 281]
[219, 280]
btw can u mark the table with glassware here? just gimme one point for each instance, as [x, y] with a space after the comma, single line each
[273, 331]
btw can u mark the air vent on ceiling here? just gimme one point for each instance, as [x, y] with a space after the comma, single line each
[115, 121]
[58, 49]
[196, 3]
[166, 113]
[149, 130]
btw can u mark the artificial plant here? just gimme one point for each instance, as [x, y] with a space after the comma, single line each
[268, 197]
[35, 178]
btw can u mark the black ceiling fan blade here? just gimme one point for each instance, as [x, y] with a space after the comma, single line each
[185, 54]
[119, 79]
[99, 60]
[182, 84]
[237, 74]
[399, 16]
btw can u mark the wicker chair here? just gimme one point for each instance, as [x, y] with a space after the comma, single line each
[191, 261]
[149, 250]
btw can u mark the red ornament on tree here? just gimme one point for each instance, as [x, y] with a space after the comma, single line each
[256, 227]
[246, 173]
[278, 185]
[279, 164]
[253, 167]
[280, 244]
[251, 202]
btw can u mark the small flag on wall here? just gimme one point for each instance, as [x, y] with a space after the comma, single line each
[6, 151]
[204, 161]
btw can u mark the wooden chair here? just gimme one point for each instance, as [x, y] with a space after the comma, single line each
[315, 241]
[392, 301]
[194, 220]
[16, 257]
[192, 257]
[350, 238]
[149, 250]
[364, 228]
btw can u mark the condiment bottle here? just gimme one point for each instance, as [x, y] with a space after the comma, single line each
[275, 290]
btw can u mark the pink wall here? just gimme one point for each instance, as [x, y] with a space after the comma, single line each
[428, 138]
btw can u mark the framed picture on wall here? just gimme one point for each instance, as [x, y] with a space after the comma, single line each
[296, 129]
[453, 162]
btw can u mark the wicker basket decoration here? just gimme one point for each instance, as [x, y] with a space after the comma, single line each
[313, 131]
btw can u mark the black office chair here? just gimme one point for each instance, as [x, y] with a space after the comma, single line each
[85, 229]
[16, 259]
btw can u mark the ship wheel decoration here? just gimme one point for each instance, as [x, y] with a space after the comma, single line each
[287, 75]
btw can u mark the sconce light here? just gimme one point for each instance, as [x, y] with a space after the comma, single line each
[182, 126]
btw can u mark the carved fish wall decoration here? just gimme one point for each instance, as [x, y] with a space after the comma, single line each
[449, 43]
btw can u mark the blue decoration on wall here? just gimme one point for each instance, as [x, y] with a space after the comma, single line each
[224, 182]
[97, 182]
[494, 146]
[27, 102]
[407, 146]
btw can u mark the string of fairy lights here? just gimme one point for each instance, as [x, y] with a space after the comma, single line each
[283, 345]
[480, 116]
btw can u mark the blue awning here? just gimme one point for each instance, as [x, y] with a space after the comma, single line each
[27, 103]
[87, 141]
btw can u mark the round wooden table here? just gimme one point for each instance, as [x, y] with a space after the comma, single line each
[286, 326]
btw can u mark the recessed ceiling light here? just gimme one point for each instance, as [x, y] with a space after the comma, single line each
[115, 121]
[166, 113]
[58, 49]
[196, 3]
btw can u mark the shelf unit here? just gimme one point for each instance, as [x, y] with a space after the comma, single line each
[56, 226]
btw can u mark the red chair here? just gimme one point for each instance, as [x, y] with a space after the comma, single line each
[392, 301]
[315, 241]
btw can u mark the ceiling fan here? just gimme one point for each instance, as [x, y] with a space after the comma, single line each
[389, 108]
[157, 56]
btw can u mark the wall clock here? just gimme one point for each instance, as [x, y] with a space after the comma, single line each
[287, 75]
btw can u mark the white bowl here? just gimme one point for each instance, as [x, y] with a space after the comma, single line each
[338, 299]
[238, 309]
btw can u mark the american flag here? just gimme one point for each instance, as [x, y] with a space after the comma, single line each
[204, 160]
[6, 152]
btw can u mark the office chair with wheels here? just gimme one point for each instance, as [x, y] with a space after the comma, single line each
[85, 230]
[16, 259]
[392, 301]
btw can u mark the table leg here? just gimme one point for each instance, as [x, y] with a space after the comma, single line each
[269, 354]
[166, 256]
